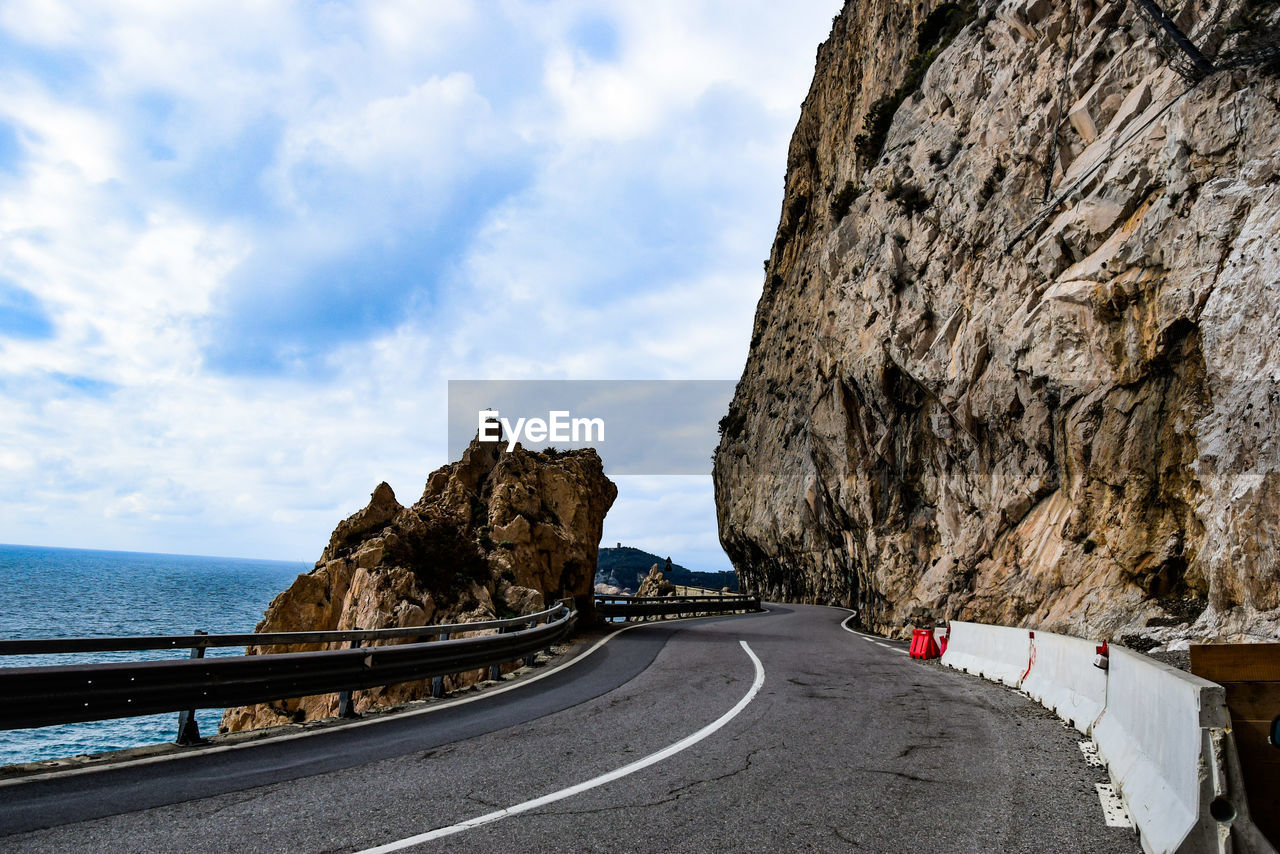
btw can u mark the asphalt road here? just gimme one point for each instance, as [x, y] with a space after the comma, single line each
[848, 745]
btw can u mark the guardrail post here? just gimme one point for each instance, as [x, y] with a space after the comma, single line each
[346, 707]
[437, 682]
[547, 651]
[532, 658]
[188, 726]
[495, 670]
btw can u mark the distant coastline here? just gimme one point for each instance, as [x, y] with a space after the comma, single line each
[149, 554]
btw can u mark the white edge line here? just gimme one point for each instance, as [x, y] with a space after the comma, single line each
[275, 739]
[844, 624]
[609, 777]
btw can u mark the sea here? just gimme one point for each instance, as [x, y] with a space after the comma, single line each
[52, 592]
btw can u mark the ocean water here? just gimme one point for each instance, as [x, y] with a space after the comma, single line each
[49, 592]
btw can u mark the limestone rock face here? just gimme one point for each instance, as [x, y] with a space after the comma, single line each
[496, 534]
[1079, 431]
[656, 584]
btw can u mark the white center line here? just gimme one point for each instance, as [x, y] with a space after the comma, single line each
[639, 764]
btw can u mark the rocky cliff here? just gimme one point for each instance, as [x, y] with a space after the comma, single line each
[1015, 356]
[496, 534]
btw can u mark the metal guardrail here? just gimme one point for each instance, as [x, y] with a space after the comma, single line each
[51, 646]
[673, 606]
[42, 696]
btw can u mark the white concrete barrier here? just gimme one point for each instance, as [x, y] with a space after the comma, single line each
[1157, 735]
[1062, 678]
[1165, 735]
[998, 653]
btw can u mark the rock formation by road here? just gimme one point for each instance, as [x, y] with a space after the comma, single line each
[1079, 430]
[496, 534]
[656, 584]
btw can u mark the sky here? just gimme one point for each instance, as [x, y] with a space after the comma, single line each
[245, 245]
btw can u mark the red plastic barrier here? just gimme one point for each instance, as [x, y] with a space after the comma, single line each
[923, 646]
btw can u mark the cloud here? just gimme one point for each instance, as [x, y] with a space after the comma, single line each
[411, 146]
[245, 245]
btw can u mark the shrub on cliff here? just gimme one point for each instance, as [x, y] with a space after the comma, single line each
[442, 551]
[932, 37]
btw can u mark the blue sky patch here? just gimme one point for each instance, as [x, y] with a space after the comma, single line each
[597, 38]
[84, 385]
[228, 180]
[61, 70]
[11, 152]
[288, 306]
[154, 110]
[22, 315]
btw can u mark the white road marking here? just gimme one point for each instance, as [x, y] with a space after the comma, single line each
[1091, 757]
[639, 764]
[870, 638]
[371, 721]
[1113, 808]
[892, 648]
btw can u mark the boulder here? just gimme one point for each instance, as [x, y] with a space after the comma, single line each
[656, 584]
[496, 534]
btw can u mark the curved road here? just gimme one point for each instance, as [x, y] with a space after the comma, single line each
[663, 739]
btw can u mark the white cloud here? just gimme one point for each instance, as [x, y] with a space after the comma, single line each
[413, 147]
[626, 244]
[414, 27]
[60, 137]
[43, 22]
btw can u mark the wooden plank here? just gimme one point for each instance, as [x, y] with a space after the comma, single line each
[1264, 809]
[1251, 739]
[1250, 675]
[1236, 662]
[1260, 767]
[1253, 701]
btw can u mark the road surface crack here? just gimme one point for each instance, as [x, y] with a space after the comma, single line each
[837, 832]
[672, 795]
[746, 766]
[904, 775]
[235, 802]
[475, 798]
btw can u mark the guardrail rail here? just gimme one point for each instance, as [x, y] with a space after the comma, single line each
[632, 607]
[59, 694]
